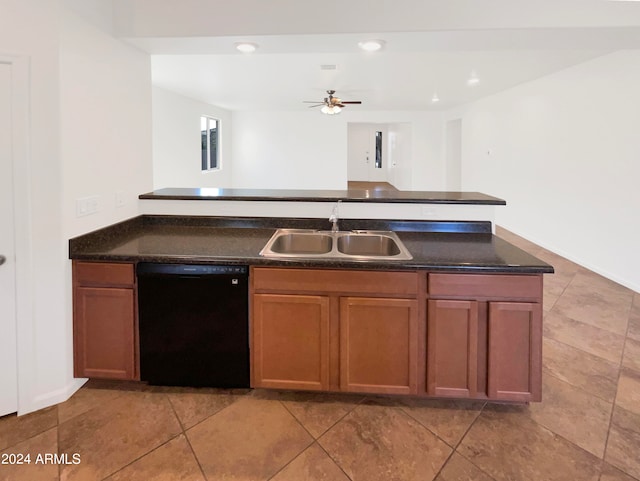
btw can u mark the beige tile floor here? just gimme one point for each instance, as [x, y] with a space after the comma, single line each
[587, 427]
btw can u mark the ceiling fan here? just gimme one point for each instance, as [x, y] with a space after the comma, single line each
[331, 105]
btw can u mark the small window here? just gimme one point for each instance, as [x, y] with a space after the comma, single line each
[210, 132]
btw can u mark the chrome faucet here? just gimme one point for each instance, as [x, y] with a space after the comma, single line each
[334, 217]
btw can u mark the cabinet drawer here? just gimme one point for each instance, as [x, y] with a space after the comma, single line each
[103, 274]
[479, 286]
[340, 281]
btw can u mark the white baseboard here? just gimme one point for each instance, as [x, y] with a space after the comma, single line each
[51, 398]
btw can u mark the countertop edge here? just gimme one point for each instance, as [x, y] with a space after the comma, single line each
[309, 263]
[96, 245]
[350, 195]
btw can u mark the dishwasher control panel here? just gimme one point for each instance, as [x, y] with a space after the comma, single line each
[189, 269]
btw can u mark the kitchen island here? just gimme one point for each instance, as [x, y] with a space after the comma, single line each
[347, 195]
[461, 319]
[356, 203]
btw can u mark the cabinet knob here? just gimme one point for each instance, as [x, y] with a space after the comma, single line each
[2, 260]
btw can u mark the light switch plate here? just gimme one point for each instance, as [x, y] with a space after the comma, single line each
[87, 205]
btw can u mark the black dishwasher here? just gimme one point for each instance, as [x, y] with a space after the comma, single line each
[193, 322]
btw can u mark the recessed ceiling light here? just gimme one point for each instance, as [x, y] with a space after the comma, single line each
[371, 45]
[246, 47]
[473, 78]
[435, 98]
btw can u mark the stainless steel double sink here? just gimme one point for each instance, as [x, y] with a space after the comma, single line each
[355, 245]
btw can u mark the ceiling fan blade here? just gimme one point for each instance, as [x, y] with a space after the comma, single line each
[351, 101]
[317, 105]
[338, 105]
[310, 101]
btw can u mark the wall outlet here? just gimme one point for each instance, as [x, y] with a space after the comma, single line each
[87, 205]
[120, 198]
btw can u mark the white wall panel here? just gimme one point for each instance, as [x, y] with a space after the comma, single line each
[564, 152]
[176, 142]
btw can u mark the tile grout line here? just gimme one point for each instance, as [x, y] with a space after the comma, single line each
[140, 457]
[34, 435]
[548, 373]
[212, 414]
[568, 441]
[455, 449]
[331, 458]
[362, 400]
[316, 440]
[150, 451]
[615, 397]
[302, 451]
[580, 349]
[184, 433]
[426, 427]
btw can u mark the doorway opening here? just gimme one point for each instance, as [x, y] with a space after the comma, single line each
[381, 154]
[368, 153]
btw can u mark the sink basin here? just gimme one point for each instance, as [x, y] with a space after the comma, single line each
[365, 244]
[302, 243]
[354, 245]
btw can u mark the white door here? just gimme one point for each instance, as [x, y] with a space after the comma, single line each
[367, 153]
[357, 145]
[8, 360]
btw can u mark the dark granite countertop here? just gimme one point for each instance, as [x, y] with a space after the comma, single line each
[350, 195]
[444, 246]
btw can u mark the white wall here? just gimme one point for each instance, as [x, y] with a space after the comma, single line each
[453, 155]
[564, 151]
[88, 125]
[41, 248]
[289, 150]
[105, 146]
[308, 150]
[176, 142]
[400, 155]
[105, 128]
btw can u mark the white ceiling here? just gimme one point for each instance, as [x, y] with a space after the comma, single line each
[414, 64]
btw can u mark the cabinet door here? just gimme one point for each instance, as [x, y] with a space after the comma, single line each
[378, 345]
[104, 333]
[290, 342]
[452, 347]
[515, 351]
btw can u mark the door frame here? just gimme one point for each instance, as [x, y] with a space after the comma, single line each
[20, 141]
[369, 128]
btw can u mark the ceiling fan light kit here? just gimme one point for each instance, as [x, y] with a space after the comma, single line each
[331, 105]
[330, 110]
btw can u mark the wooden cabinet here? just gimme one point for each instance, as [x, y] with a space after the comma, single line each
[452, 348]
[378, 348]
[104, 316]
[334, 330]
[484, 336]
[515, 351]
[291, 341]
